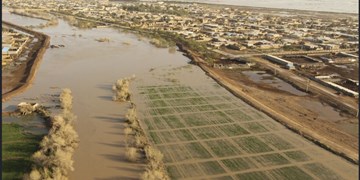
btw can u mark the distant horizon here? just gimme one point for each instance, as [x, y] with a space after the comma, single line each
[347, 6]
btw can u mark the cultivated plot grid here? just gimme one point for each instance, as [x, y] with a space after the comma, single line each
[210, 135]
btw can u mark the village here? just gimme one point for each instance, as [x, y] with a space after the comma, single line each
[230, 27]
[237, 32]
[13, 44]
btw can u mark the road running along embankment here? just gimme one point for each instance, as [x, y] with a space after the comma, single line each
[32, 64]
[348, 154]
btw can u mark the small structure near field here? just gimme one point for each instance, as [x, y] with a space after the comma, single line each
[283, 62]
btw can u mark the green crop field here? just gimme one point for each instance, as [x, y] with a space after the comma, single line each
[17, 149]
[209, 134]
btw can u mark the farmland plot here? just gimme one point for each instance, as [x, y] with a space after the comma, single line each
[206, 133]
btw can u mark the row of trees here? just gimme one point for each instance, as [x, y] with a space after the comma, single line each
[54, 159]
[140, 146]
[137, 145]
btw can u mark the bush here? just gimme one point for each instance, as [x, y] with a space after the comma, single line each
[132, 154]
[66, 99]
[140, 141]
[154, 175]
[121, 89]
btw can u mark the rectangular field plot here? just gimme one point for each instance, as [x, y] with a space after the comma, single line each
[155, 123]
[157, 103]
[207, 132]
[166, 89]
[161, 111]
[190, 170]
[211, 167]
[276, 141]
[239, 164]
[171, 136]
[148, 90]
[174, 172]
[197, 101]
[167, 154]
[217, 117]
[233, 130]
[258, 175]
[184, 135]
[321, 171]
[197, 151]
[167, 136]
[293, 173]
[272, 125]
[255, 127]
[252, 145]
[270, 160]
[179, 95]
[173, 121]
[222, 148]
[186, 109]
[153, 96]
[238, 115]
[222, 178]
[155, 138]
[223, 106]
[214, 99]
[205, 108]
[195, 119]
[298, 156]
[176, 153]
[182, 88]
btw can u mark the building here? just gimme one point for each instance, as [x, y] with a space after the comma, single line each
[283, 62]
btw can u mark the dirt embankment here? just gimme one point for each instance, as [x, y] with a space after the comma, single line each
[307, 125]
[26, 74]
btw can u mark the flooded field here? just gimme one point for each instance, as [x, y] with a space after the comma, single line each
[33, 123]
[265, 78]
[205, 132]
[20, 20]
[89, 68]
[344, 122]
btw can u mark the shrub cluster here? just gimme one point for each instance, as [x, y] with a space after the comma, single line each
[54, 159]
[121, 89]
[155, 169]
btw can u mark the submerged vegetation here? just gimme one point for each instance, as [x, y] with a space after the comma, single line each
[54, 159]
[121, 89]
[50, 21]
[140, 144]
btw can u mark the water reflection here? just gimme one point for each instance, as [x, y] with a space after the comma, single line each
[265, 78]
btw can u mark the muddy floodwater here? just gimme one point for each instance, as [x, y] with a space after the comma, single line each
[89, 68]
[20, 20]
[265, 78]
